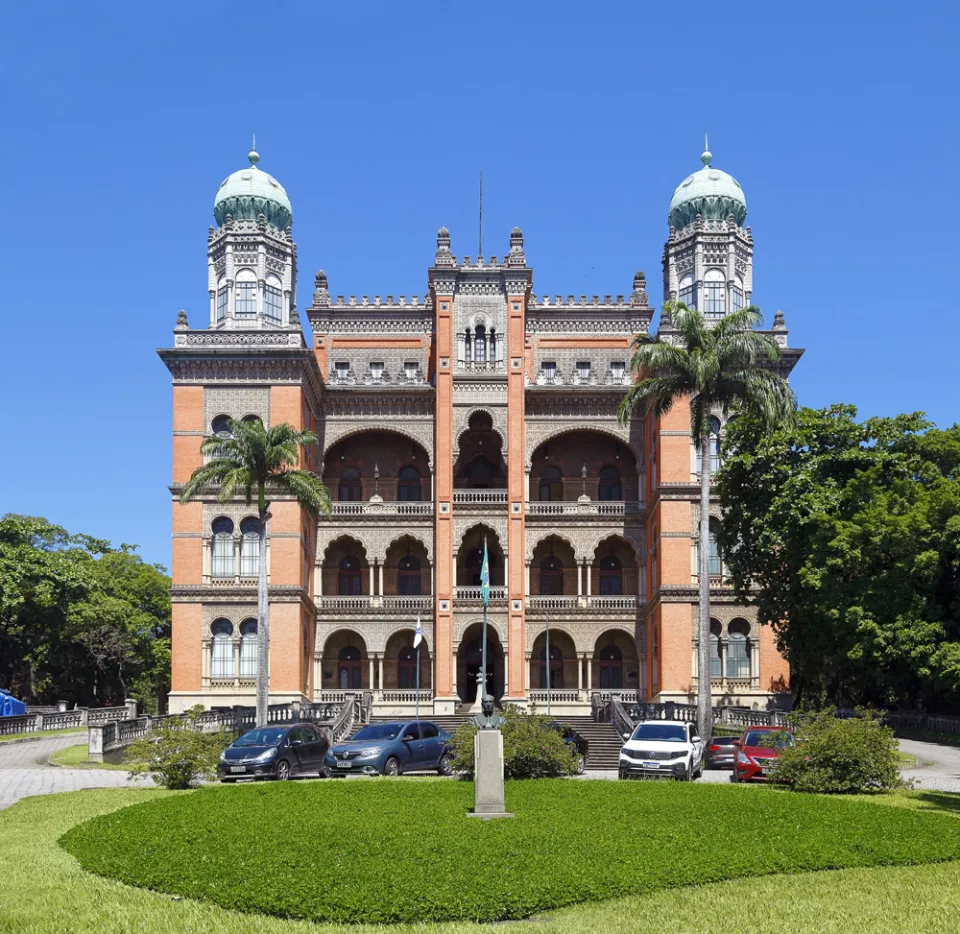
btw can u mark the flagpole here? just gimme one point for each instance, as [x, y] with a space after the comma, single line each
[417, 639]
[483, 656]
[548, 664]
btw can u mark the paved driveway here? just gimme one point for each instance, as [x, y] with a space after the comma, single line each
[24, 772]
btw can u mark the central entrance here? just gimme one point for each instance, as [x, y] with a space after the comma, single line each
[469, 656]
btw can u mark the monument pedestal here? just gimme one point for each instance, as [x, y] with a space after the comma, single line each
[488, 776]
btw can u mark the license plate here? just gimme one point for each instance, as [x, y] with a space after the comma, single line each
[765, 771]
[344, 765]
[648, 764]
[238, 768]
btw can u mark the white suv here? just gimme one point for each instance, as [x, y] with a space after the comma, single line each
[662, 749]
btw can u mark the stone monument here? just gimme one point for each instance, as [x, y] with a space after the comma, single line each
[488, 764]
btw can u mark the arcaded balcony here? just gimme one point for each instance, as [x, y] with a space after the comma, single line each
[378, 473]
[583, 473]
[480, 472]
[469, 564]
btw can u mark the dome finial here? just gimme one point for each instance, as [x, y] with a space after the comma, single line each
[253, 155]
[706, 156]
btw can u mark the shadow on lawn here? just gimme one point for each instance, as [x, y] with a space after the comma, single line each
[939, 801]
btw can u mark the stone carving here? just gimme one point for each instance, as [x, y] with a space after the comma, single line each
[461, 424]
[334, 430]
[236, 402]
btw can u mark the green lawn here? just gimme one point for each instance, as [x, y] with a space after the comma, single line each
[385, 852]
[45, 734]
[75, 757]
[46, 892]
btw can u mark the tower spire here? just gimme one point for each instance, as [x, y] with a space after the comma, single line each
[706, 156]
[480, 245]
[253, 155]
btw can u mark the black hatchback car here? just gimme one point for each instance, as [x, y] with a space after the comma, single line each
[721, 752]
[278, 752]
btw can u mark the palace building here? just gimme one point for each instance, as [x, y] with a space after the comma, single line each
[480, 411]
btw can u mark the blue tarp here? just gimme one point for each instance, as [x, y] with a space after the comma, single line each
[10, 706]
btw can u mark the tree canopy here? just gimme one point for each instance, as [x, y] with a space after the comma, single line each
[846, 535]
[80, 620]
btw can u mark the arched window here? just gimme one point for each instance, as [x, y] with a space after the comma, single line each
[551, 485]
[223, 299]
[611, 576]
[714, 447]
[348, 580]
[610, 488]
[611, 668]
[273, 300]
[221, 426]
[409, 578]
[248, 648]
[221, 661]
[737, 298]
[551, 576]
[349, 490]
[480, 345]
[714, 294]
[688, 292]
[349, 671]
[407, 668]
[474, 562]
[738, 649]
[223, 561]
[556, 667]
[715, 670]
[250, 548]
[480, 473]
[246, 300]
[716, 564]
[409, 488]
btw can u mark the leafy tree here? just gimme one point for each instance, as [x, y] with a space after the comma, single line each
[723, 366]
[253, 462]
[846, 535]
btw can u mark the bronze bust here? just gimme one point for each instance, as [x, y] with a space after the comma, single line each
[489, 719]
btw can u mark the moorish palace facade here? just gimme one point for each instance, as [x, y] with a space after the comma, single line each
[480, 410]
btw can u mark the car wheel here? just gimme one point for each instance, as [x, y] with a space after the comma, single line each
[581, 764]
[699, 773]
[391, 767]
[446, 764]
[283, 770]
[688, 775]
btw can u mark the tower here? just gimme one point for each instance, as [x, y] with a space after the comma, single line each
[251, 256]
[248, 361]
[708, 257]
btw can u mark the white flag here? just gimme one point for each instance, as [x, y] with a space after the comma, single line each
[418, 635]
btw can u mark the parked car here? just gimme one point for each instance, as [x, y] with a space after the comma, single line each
[662, 749]
[721, 752]
[757, 752]
[572, 738]
[390, 749]
[274, 752]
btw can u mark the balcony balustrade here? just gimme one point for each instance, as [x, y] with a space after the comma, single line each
[391, 603]
[566, 602]
[557, 697]
[379, 508]
[586, 508]
[479, 497]
[473, 595]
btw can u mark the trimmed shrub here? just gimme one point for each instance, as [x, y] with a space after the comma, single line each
[379, 852]
[177, 754]
[856, 755]
[532, 748]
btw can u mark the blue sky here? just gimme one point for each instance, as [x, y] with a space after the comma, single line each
[120, 121]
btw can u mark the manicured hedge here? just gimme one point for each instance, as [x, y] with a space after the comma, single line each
[388, 851]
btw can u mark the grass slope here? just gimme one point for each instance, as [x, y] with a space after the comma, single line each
[386, 852]
[75, 757]
[45, 891]
[43, 734]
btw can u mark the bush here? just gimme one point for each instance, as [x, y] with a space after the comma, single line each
[839, 756]
[379, 852]
[532, 748]
[177, 754]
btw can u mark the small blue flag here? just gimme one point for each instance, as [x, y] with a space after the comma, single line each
[418, 635]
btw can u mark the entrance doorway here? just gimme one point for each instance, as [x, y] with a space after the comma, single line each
[469, 657]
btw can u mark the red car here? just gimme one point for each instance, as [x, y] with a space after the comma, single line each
[757, 752]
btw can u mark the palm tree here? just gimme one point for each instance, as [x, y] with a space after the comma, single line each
[721, 366]
[255, 460]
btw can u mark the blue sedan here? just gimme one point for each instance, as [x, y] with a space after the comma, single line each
[390, 749]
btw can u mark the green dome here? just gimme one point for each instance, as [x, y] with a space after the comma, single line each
[251, 192]
[710, 193]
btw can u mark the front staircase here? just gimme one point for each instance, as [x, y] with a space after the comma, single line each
[604, 742]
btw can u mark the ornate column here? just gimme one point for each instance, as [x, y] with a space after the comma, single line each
[589, 569]
[380, 672]
[206, 651]
[579, 672]
[723, 663]
[380, 578]
[317, 675]
[588, 658]
[237, 541]
[371, 682]
[236, 663]
[529, 682]
[755, 663]
[373, 589]
[580, 578]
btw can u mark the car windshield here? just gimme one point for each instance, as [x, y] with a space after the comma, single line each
[768, 738]
[663, 732]
[724, 740]
[262, 737]
[379, 731]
